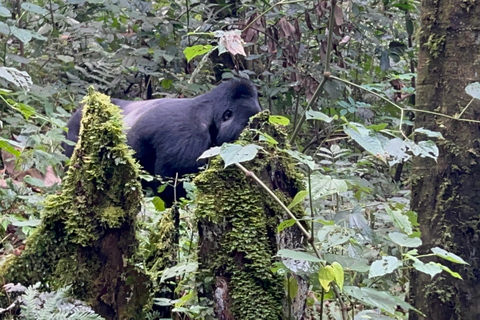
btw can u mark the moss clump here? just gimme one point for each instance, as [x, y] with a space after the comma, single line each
[87, 232]
[237, 226]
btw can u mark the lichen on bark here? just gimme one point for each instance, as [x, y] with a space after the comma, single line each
[237, 229]
[87, 234]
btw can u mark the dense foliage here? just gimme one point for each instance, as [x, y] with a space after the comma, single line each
[340, 75]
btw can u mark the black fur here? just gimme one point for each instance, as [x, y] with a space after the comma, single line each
[168, 135]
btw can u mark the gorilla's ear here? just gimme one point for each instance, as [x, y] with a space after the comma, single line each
[242, 89]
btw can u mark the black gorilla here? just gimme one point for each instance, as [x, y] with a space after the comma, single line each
[168, 135]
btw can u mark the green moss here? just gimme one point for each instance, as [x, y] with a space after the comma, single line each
[88, 229]
[238, 222]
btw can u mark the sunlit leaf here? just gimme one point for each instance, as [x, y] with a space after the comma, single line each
[317, 115]
[429, 133]
[326, 275]
[178, 270]
[298, 198]
[367, 139]
[338, 274]
[285, 224]
[193, 51]
[279, 120]
[212, 152]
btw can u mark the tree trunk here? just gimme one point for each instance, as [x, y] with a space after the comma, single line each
[445, 193]
[238, 236]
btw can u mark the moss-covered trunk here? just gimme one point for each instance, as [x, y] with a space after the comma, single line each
[238, 224]
[445, 194]
[87, 235]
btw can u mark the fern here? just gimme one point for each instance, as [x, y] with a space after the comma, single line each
[55, 305]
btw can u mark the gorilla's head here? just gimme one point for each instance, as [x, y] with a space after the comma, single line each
[235, 102]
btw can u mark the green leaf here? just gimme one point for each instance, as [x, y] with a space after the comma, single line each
[377, 127]
[178, 270]
[374, 298]
[338, 274]
[292, 287]
[348, 263]
[297, 255]
[193, 51]
[323, 185]
[429, 133]
[473, 90]
[285, 224]
[400, 220]
[430, 268]
[279, 120]
[5, 145]
[267, 138]
[385, 266]
[4, 12]
[303, 158]
[234, 153]
[317, 115]
[34, 181]
[158, 203]
[447, 255]
[212, 152]
[298, 198]
[367, 139]
[326, 275]
[405, 241]
[447, 269]
[30, 7]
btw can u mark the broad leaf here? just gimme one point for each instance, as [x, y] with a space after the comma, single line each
[178, 270]
[385, 266]
[430, 268]
[473, 89]
[193, 51]
[448, 255]
[234, 153]
[212, 152]
[297, 255]
[367, 139]
[405, 241]
[323, 185]
[317, 115]
[298, 198]
[326, 275]
[338, 274]
[279, 120]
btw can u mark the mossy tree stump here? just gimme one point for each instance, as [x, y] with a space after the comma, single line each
[87, 234]
[238, 223]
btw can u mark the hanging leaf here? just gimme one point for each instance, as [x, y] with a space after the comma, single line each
[338, 274]
[285, 224]
[429, 133]
[326, 275]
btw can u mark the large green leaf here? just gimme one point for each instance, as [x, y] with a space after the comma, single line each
[234, 153]
[405, 241]
[198, 50]
[297, 255]
[366, 138]
[323, 185]
[384, 266]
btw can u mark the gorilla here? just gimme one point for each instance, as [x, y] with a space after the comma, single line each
[168, 135]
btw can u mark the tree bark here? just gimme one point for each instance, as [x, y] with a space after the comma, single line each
[445, 193]
[238, 237]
